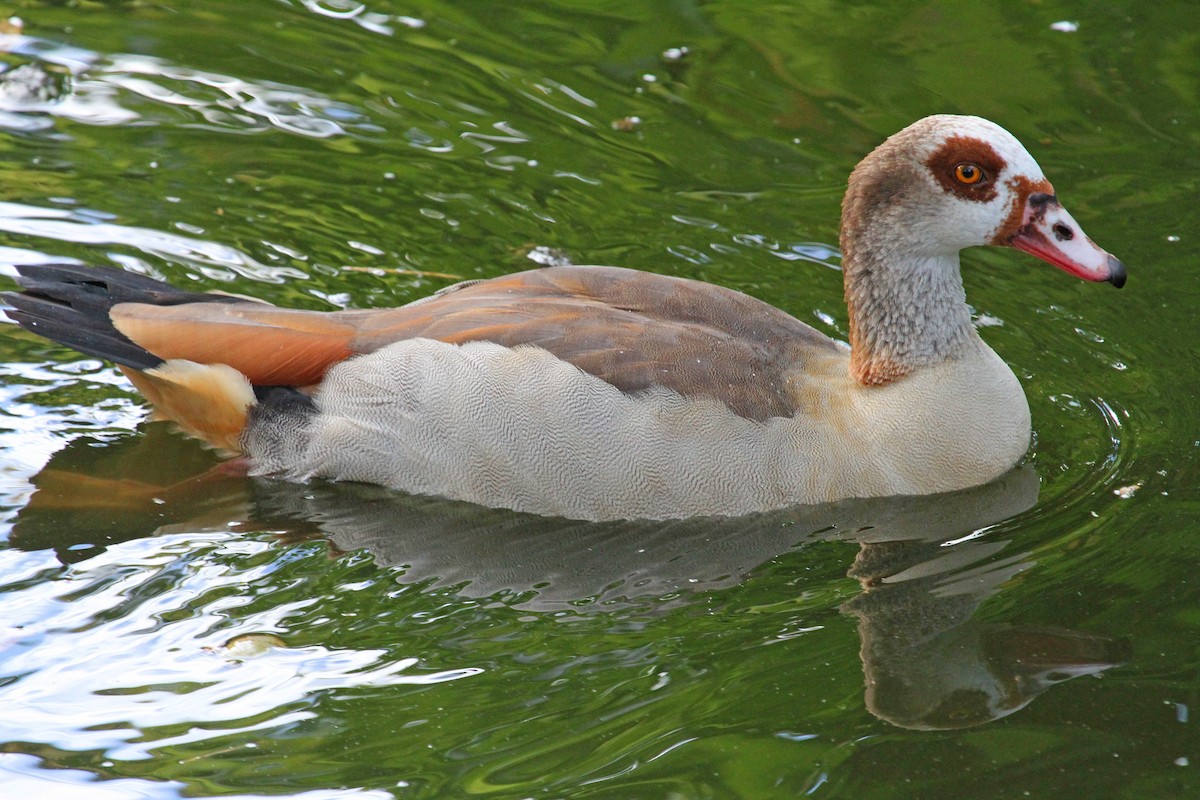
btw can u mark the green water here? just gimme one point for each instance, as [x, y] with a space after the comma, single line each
[385, 646]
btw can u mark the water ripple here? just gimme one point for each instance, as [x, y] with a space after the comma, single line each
[361, 15]
[60, 81]
[24, 776]
[84, 226]
[159, 610]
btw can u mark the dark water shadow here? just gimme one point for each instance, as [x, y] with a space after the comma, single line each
[924, 563]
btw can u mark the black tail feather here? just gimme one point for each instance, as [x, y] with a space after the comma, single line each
[70, 304]
[66, 326]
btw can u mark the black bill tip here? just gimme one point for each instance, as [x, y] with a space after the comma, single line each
[1116, 272]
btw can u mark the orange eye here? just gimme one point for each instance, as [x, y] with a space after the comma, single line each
[968, 173]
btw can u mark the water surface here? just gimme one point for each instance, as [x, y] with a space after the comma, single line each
[167, 635]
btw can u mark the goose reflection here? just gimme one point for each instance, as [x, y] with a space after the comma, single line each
[928, 663]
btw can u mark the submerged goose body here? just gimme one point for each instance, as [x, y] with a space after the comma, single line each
[602, 393]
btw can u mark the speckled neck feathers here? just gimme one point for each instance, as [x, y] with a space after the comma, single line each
[903, 288]
[906, 311]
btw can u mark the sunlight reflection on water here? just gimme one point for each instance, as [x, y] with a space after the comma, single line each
[89, 227]
[30, 434]
[360, 15]
[89, 87]
[159, 609]
[24, 776]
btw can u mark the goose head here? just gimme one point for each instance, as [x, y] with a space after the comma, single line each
[946, 183]
[941, 185]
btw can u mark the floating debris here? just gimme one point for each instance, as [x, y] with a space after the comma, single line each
[1126, 492]
[546, 256]
[248, 645]
[627, 124]
[1064, 26]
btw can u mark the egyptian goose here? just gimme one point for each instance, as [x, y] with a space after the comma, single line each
[604, 393]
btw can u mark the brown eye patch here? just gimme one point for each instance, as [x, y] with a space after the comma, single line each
[960, 154]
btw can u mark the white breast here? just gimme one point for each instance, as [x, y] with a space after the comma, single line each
[951, 425]
[518, 428]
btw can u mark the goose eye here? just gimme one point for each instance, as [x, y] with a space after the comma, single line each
[970, 174]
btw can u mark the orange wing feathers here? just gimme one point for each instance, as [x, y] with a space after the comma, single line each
[270, 346]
